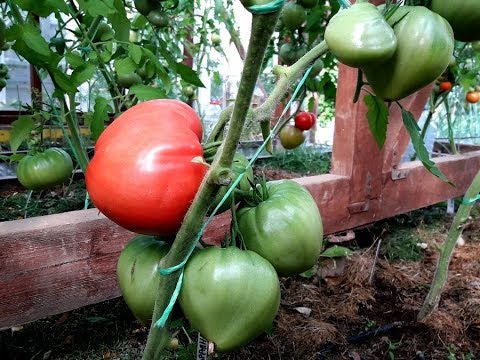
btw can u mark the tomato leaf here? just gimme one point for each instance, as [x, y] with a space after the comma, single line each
[74, 59]
[188, 75]
[119, 21]
[146, 92]
[82, 74]
[21, 129]
[64, 81]
[124, 66]
[377, 116]
[30, 44]
[337, 251]
[419, 146]
[98, 7]
[100, 115]
[135, 53]
[43, 8]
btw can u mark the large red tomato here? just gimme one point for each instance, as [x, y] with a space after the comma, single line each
[144, 175]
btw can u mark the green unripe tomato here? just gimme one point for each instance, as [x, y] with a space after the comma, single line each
[360, 36]
[128, 80]
[158, 18]
[285, 228]
[291, 137]
[425, 47]
[134, 36]
[137, 274]
[229, 295]
[145, 6]
[287, 53]
[44, 170]
[293, 16]
[3, 83]
[463, 16]
[215, 39]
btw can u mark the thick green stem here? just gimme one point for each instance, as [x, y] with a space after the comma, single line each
[262, 30]
[223, 119]
[76, 141]
[446, 250]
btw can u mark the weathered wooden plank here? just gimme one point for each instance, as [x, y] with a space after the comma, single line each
[52, 240]
[30, 295]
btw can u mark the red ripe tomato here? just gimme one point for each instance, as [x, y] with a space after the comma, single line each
[473, 97]
[445, 86]
[304, 121]
[143, 175]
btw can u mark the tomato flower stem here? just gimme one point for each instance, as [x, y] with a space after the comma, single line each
[262, 30]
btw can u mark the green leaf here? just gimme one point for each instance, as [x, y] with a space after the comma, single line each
[419, 146]
[98, 7]
[135, 52]
[43, 8]
[188, 75]
[377, 116]
[74, 59]
[124, 66]
[146, 92]
[64, 81]
[119, 21]
[30, 44]
[337, 251]
[101, 109]
[82, 74]
[162, 74]
[21, 129]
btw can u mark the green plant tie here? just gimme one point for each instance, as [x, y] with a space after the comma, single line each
[268, 8]
[471, 201]
[160, 323]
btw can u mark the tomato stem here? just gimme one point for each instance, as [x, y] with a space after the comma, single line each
[446, 250]
[262, 30]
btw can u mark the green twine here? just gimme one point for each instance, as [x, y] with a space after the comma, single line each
[268, 8]
[470, 201]
[167, 271]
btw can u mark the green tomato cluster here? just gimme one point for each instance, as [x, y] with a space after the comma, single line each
[153, 11]
[398, 56]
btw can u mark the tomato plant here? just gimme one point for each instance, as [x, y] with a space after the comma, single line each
[147, 167]
[291, 137]
[44, 169]
[137, 274]
[231, 296]
[285, 227]
[472, 97]
[304, 120]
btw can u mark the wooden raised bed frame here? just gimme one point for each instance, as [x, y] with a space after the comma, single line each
[56, 263]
